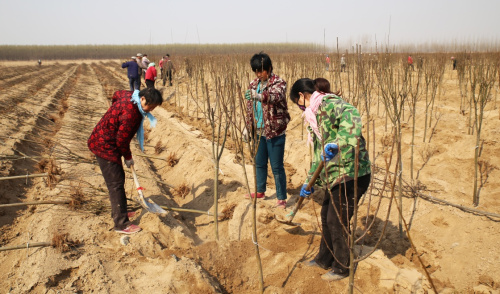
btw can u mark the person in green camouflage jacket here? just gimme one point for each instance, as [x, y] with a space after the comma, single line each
[334, 130]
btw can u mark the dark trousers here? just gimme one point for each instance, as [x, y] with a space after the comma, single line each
[168, 74]
[114, 176]
[274, 151]
[150, 84]
[135, 84]
[334, 238]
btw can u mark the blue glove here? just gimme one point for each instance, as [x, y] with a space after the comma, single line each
[331, 149]
[248, 94]
[304, 193]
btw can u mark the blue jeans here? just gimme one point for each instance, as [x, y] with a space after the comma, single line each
[135, 84]
[274, 150]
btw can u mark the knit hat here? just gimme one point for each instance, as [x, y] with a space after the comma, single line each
[151, 64]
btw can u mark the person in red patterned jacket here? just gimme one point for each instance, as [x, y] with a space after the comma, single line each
[110, 140]
[267, 118]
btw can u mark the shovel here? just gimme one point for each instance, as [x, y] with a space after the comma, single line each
[291, 215]
[149, 205]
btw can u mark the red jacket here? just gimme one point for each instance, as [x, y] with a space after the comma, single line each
[151, 73]
[111, 137]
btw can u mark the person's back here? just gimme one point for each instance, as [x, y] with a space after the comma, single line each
[111, 137]
[169, 65]
[347, 127]
[151, 73]
[132, 69]
[145, 61]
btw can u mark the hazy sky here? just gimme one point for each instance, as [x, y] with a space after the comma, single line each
[58, 22]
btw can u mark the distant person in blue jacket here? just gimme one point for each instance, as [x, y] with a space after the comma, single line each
[133, 73]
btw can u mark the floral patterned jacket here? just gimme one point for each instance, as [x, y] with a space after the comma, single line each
[274, 107]
[111, 137]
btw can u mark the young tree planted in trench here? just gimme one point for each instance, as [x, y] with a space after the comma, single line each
[482, 75]
[393, 82]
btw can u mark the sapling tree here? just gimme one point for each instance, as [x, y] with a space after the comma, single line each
[482, 75]
[219, 122]
[252, 139]
[433, 76]
[366, 83]
[414, 83]
[393, 82]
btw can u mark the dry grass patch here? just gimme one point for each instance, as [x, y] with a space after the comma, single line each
[182, 190]
[159, 148]
[62, 243]
[172, 159]
[77, 199]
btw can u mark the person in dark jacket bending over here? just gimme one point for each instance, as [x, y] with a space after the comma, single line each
[110, 141]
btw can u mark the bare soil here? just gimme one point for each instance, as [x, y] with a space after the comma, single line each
[49, 111]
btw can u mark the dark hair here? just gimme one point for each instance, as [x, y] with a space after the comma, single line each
[304, 85]
[168, 55]
[322, 85]
[261, 61]
[152, 96]
[307, 85]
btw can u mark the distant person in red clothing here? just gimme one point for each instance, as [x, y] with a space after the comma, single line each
[150, 75]
[160, 64]
[410, 62]
[110, 140]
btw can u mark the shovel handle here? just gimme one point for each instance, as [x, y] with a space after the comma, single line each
[151, 207]
[136, 181]
[315, 176]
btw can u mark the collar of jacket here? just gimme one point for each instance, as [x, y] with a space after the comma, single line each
[270, 81]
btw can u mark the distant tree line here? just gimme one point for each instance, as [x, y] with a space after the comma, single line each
[48, 52]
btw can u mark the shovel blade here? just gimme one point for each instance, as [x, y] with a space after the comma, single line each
[155, 208]
[286, 221]
[151, 206]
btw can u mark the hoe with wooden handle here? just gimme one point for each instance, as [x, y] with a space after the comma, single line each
[291, 215]
[149, 205]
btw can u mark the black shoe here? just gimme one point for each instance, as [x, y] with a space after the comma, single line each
[331, 276]
[313, 263]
